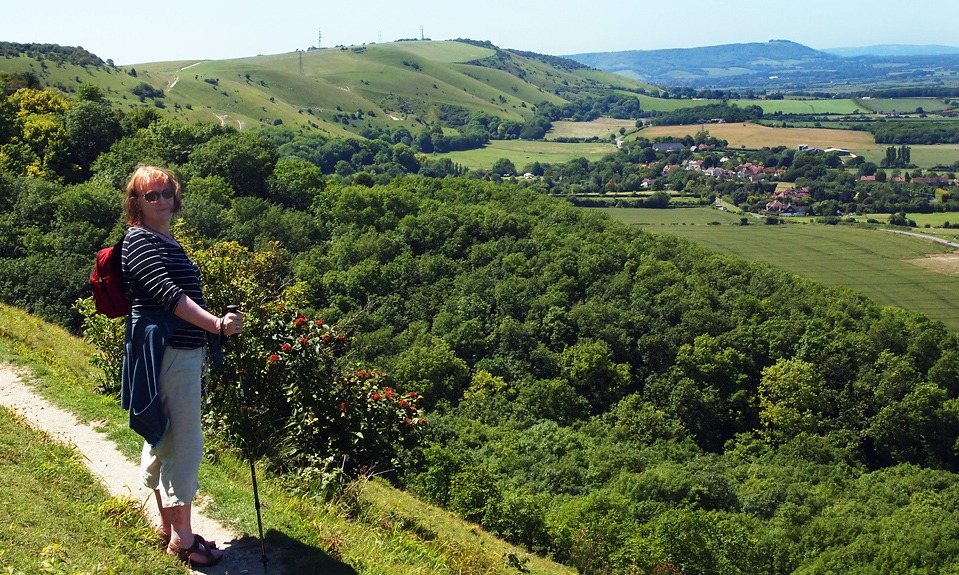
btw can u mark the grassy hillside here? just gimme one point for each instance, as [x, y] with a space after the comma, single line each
[383, 531]
[338, 91]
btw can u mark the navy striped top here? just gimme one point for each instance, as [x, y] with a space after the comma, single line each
[157, 273]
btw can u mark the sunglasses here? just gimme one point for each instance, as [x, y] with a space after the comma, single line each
[154, 196]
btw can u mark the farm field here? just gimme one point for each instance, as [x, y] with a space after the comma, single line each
[664, 105]
[523, 152]
[600, 128]
[756, 136]
[808, 106]
[936, 220]
[787, 106]
[924, 156]
[907, 105]
[892, 269]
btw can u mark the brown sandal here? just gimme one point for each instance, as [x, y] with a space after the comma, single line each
[199, 546]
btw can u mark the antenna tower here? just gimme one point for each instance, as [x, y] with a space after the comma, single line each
[421, 32]
[319, 38]
[379, 37]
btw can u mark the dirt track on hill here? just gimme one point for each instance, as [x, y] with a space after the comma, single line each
[120, 476]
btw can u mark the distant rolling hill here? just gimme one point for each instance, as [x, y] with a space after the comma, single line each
[777, 65]
[337, 91]
[894, 50]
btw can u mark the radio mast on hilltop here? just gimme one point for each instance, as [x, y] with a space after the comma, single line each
[421, 31]
[319, 38]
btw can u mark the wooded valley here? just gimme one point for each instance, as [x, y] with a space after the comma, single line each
[620, 400]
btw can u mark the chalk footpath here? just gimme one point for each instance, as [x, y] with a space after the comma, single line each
[121, 476]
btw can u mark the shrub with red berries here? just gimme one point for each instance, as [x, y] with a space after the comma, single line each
[317, 409]
[287, 390]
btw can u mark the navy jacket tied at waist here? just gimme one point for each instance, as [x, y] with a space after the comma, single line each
[147, 334]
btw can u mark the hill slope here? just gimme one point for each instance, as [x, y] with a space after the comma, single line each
[894, 50]
[776, 65]
[337, 91]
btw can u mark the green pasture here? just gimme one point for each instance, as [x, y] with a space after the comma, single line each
[906, 105]
[523, 152]
[600, 128]
[924, 156]
[788, 106]
[935, 220]
[444, 51]
[871, 261]
[699, 216]
[664, 105]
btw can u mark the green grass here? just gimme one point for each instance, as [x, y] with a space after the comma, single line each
[936, 220]
[404, 80]
[445, 51]
[46, 496]
[56, 518]
[868, 260]
[672, 217]
[906, 105]
[786, 106]
[600, 128]
[791, 106]
[523, 152]
[924, 156]
[664, 105]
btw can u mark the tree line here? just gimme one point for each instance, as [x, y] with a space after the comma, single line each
[915, 132]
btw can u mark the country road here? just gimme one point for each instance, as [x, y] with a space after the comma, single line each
[923, 236]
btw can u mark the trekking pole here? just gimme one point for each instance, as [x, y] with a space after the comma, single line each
[249, 426]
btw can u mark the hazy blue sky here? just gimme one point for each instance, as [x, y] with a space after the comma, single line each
[130, 33]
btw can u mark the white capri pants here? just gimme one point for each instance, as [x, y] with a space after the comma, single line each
[173, 466]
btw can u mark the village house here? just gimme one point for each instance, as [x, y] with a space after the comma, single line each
[669, 147]
[773, 171]
[793, 193]
[776, 207]
[932, 181]
[749, 171]
[718, 173]
[669, 168]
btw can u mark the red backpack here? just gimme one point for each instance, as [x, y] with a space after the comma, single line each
[107, 282]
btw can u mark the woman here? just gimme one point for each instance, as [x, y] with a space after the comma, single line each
[167, 330]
